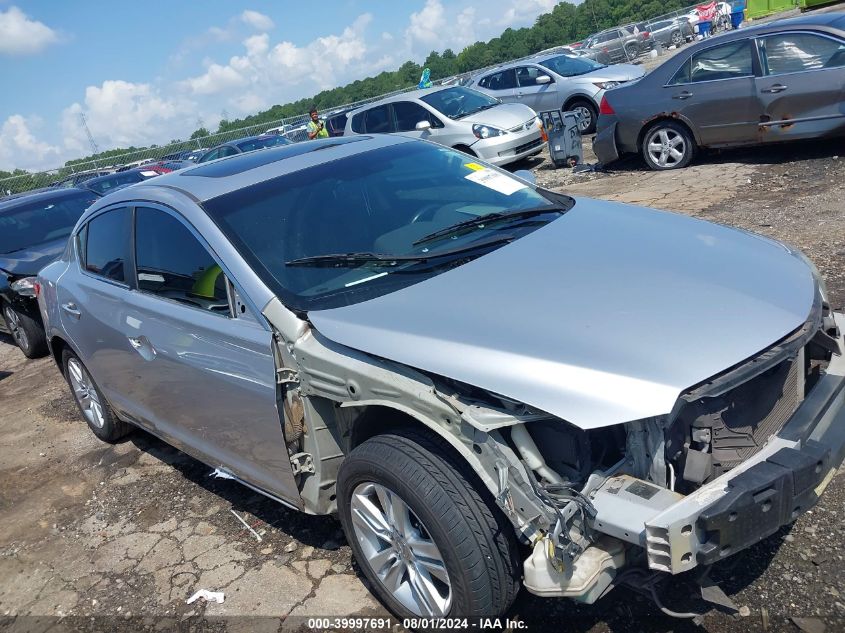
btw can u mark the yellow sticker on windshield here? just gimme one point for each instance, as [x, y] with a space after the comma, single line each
[474, 166]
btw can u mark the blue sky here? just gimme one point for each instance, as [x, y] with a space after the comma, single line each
[147, 72]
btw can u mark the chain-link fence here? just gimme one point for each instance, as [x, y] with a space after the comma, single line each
[626, 43]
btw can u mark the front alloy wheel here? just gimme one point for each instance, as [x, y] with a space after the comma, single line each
[400, 550]
[26, 332]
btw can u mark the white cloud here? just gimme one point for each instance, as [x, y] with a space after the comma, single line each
[436, 28]
[275, 72]
[522, 11]
[19, 149]
[20, 35]
[121, 113]
[256, 20]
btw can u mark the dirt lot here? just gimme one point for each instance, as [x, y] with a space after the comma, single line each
[98, 537]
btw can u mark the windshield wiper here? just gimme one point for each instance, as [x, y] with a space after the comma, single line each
[489, 218]
[348, 260]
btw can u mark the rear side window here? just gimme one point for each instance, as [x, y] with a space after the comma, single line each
[502, 80]
[105, 244]
[173, 264]
[227, 150]
[796, 52]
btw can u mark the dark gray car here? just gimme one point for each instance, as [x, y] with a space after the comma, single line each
[777, 82]
[620, 44]
[490, 383]
[671, 32]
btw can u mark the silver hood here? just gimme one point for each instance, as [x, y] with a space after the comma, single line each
[616, 72]
[602, 316]
[504, 116]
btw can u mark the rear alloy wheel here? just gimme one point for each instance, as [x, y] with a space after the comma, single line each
[423, 529]
[667, 145]
[587, 114]
[92, 405]
[632, 51]
[677, 38]
[26, 332]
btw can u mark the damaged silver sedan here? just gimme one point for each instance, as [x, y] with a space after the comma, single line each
[488, 382]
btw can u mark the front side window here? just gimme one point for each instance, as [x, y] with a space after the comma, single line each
[727, 61]
[408, 114]
[527, 76]
[502, 80]
[796, 52]
[105, 244]
[43, 221]
[173, 264]
[227, 150]
[310, 234]
[215, 153]
[377, 120]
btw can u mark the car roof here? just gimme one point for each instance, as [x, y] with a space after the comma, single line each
[25, 197]
[215, 178]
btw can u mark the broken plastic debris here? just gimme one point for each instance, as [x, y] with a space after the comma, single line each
[220, 474]
[246, 525]
[208, 596]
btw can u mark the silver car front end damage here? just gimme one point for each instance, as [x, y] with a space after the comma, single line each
[638, 521]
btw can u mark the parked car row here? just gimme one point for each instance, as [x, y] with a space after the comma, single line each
[771, 83]
[335, 324]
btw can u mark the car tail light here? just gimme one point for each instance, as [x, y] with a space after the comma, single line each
[605, 107]
[645, 35]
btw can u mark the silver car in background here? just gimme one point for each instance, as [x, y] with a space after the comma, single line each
[490, 383]
[457, 117]
[556, 82]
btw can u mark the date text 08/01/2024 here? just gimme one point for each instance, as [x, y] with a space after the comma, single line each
[386, 624]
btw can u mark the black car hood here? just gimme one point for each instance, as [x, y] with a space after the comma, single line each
[29, 261]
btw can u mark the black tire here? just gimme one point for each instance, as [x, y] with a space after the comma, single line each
[632, 51]
[589, 110]
[686, 147]
[476, 541]
[112, 428]
[466, 150]
[676, 39]
[27, 333]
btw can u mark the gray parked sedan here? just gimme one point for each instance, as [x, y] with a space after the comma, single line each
[426, 345]
[456, 117]
[556, 82]
[777, 82]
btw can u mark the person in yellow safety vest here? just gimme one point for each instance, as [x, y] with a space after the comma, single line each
[316, 128]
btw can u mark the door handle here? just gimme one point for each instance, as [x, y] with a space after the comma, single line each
[72, 310]
[686, 94]
[774, 89]
[143, 346]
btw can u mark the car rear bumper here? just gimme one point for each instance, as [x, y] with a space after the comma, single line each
[604, 144]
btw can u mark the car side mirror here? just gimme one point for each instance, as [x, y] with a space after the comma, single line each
[526, 175]
[543, 79]
[423, 126]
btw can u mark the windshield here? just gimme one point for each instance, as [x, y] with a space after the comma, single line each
[261, 143]
[567, 66]
[359, 208]
[33, 223]
[459, 102]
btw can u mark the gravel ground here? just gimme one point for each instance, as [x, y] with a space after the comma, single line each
[98, 537]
